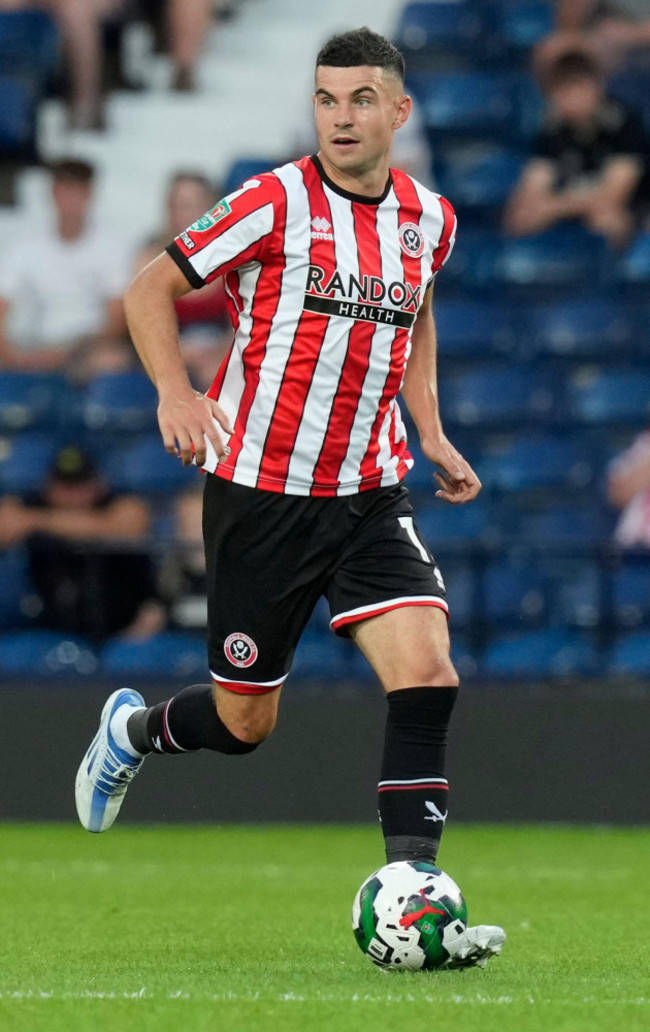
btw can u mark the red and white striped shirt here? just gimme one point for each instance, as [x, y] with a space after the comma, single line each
[324, 287]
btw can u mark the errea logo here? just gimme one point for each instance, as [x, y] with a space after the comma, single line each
[321, 229]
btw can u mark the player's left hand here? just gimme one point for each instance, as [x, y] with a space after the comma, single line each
[457, 483]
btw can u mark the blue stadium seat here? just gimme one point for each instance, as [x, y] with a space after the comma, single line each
[169, 654]
[29, 41]
[570, 528]
[441, 523]
[480, 105]
[145, 467]
[464, 656]
[246, 168]
[25, 461]
[551, 652]
[631, 591]
[602, 396]
[440, 26]
[46, 654]
[520, 24]
[17, 115]
[475, 180]
[493, 395]
[15, 589]
[31, 400]
[576, 591]
[562, 259]
[474, 328]
[631, 655]
[321, 656]
[633, 268]
[632, 87]
[532, 462]
[460, 583]
[120, 402]
[514, 593]
[587, 326]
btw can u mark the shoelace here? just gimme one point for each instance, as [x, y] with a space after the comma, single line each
[117, 778]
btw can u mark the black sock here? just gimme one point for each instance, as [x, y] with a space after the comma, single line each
[413, 790]
[185, 723]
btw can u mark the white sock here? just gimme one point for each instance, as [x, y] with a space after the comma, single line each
[119, 731]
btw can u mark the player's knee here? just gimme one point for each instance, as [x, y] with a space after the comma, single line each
[252, 730]
[435, 671]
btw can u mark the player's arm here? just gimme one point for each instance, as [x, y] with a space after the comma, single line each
[458, 482]
[185, 416]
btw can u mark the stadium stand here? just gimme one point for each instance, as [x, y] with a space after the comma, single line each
[544, 343]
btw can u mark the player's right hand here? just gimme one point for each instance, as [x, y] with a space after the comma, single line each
[186, 420]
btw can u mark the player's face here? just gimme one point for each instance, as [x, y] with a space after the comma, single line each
[357, 111]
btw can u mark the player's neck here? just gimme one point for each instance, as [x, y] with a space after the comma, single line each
[368, 184]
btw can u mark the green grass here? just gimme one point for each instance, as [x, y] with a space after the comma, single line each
[244, 929]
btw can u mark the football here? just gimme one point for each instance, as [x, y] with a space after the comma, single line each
[405, 913]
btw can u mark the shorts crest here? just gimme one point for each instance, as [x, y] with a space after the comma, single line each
[240, 650]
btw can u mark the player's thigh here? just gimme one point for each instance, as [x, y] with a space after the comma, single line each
[407, 647]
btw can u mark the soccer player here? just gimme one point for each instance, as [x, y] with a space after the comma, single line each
[329, 265]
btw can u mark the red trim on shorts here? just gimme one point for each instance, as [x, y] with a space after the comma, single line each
[356, 617]
[246, 687]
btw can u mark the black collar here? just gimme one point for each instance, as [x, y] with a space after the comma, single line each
[357, 198]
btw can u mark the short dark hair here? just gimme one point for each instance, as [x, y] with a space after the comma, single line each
[72, 170]
[362, 47]
[569, 67]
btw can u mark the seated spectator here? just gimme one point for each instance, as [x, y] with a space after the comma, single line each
[80, 25]
[61, 287]
[612, 31]
[183, 578]
[88, 559]
[628, 486]
[205, 331]
[589, 163]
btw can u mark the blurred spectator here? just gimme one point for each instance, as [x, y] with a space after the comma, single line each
[189, 21]
[612, 31]
[88, 560]
[628, 488]
[183, 582]
[205, 332]
[590, 160]
[61, 287]
[80, 25]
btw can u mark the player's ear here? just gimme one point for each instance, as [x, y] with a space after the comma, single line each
[403, 111]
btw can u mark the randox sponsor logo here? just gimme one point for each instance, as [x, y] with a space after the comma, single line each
[361, 298]
[211, 217]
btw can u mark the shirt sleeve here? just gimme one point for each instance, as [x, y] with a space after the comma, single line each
[447, 237]
[234, 232]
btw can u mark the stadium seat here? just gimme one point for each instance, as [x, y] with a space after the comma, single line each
[562, 259]
[631, 591]
[531, 462]
[460, 582]
[246, 168]
[477, 179]
[31, 400]
[120, 402]
[168, 654]
[588, 326]
[464, 656]
[464, 525]
[496, 395]
[631, 655]
[514, 593]
[605, 396]
[320, 656]
[520, 25]
[551, 652]
[46, 654]
[29, 40]
[474, 328]
[568, 528]
[16, 587]
[25, 461]
[145, 467]
[633, 269]
[480, 105]
[632, 87]
[427, 31]
[17, 116]
[576, 591]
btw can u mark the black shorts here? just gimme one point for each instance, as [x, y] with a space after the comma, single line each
[271, 556]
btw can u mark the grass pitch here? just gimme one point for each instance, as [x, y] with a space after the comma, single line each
[249, 929]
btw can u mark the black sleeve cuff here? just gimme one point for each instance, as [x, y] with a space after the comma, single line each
[186, 267]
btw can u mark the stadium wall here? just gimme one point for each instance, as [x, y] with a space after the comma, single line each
[561, 752]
